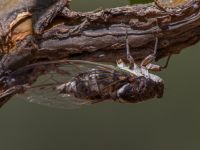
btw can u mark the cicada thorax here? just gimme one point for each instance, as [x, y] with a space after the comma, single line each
[171, 4]
[95, 85]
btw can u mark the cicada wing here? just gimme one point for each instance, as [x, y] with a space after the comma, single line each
[45, 90]
[49, 96]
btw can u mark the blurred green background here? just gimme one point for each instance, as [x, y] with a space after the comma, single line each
[172, 123]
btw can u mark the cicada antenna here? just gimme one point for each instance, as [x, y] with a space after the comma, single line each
[147, 61]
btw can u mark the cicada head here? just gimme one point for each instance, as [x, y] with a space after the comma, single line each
[140, 89]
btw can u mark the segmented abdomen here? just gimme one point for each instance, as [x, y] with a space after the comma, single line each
[93, 85]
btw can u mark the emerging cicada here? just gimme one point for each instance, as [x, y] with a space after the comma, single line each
[84, 82]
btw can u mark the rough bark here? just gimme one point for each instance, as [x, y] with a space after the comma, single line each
[100, 35]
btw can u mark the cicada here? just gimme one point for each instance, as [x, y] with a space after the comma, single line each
[73, 83]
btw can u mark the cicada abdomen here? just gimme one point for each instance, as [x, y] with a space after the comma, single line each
[95, 85]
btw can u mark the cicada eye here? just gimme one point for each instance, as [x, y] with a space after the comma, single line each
[125, 92]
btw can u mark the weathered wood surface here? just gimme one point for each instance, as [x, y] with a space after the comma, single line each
[29, 35]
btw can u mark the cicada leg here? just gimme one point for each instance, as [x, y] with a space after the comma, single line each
[147, 62]
[132, 64]
[128, 53]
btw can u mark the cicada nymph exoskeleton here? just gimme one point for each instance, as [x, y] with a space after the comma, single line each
[73, 83]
